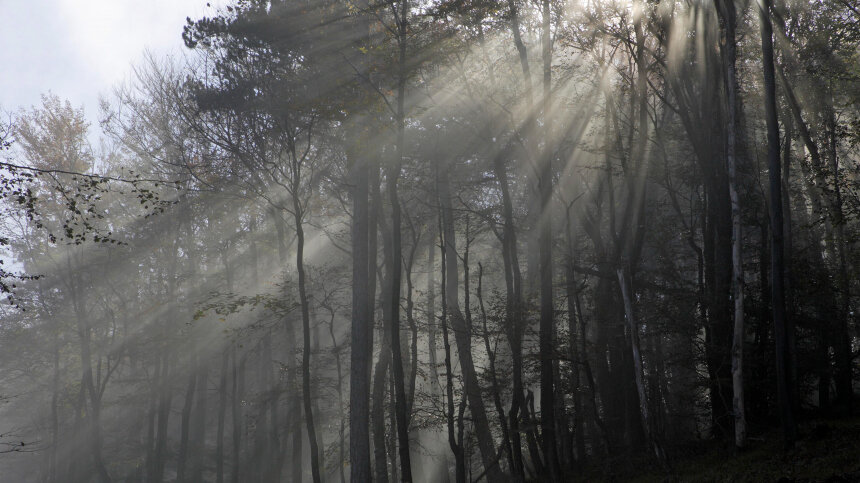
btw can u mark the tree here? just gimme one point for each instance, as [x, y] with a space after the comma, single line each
[783, 373]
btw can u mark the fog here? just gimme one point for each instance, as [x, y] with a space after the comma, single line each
[436, 241]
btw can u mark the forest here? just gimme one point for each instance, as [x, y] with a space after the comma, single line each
[444, 241]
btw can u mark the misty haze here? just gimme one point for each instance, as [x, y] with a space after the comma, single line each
[431, 241]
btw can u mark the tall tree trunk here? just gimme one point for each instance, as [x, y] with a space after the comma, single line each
[462, 336]
[153, 411]
[788, 244]
[577, 357]
[306, 340]
[786, 415]
[182, 458]
[222, 416]
[842, 339]
[547, 312]
[454, 442]
[513, 322]
[198, 424]
[726, 9]
[259, 457]
[54, 451]
[815, 185]
[94, 437]
[336, 349]
[645, 412]
[494, 381]
[383, 363]
[294, 419]
[361, 330]
[514, 284]
[413, 328]
[237, 414]
[164, 402]
[395, 269]
[275, 459]
[380, 381]
[432, 329]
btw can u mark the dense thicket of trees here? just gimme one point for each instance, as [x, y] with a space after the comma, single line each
[434, 241]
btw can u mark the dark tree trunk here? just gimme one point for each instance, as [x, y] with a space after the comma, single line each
[462, 336]
[164, 403]
[491, 356]
[237, 414]
[222, 413]
[197, 442]
[547, 310]
[361, 331]
[454, 442]
[380, 372]
[182, 459]
[728, 16]
[306, 346]
[395, 268]
[776, 230]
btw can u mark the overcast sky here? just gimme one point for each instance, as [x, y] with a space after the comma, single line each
[79, 49]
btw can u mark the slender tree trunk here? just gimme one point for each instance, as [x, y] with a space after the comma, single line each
[294, 420]
[513, 322]
[94, 414]
[182, 458]
[815, 184]
[198, 425]
[432, 329]
[729, 21]
[361, 331]
[237, 414]
[462, 335]
[53, 456]
[259, 457]
[78, 431]
[547, 311]
[413, 330]
[842, 339]
[453, 440]
[788, 243]
[336, 348]
[380, 381]
[306, 339]
[514, 309]
[383, 363]
[153, 411]
[275, 459]
[491, 356]
[392, 435]
[222, 416]
[396, 269]
[577, 357]
[645, 413]
[164, 403]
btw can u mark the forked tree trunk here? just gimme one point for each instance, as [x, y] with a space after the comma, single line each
[462, 335]
[454, 442]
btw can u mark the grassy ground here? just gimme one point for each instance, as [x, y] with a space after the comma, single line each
[827, 451]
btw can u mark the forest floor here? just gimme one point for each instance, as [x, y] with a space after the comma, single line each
[826, 451]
